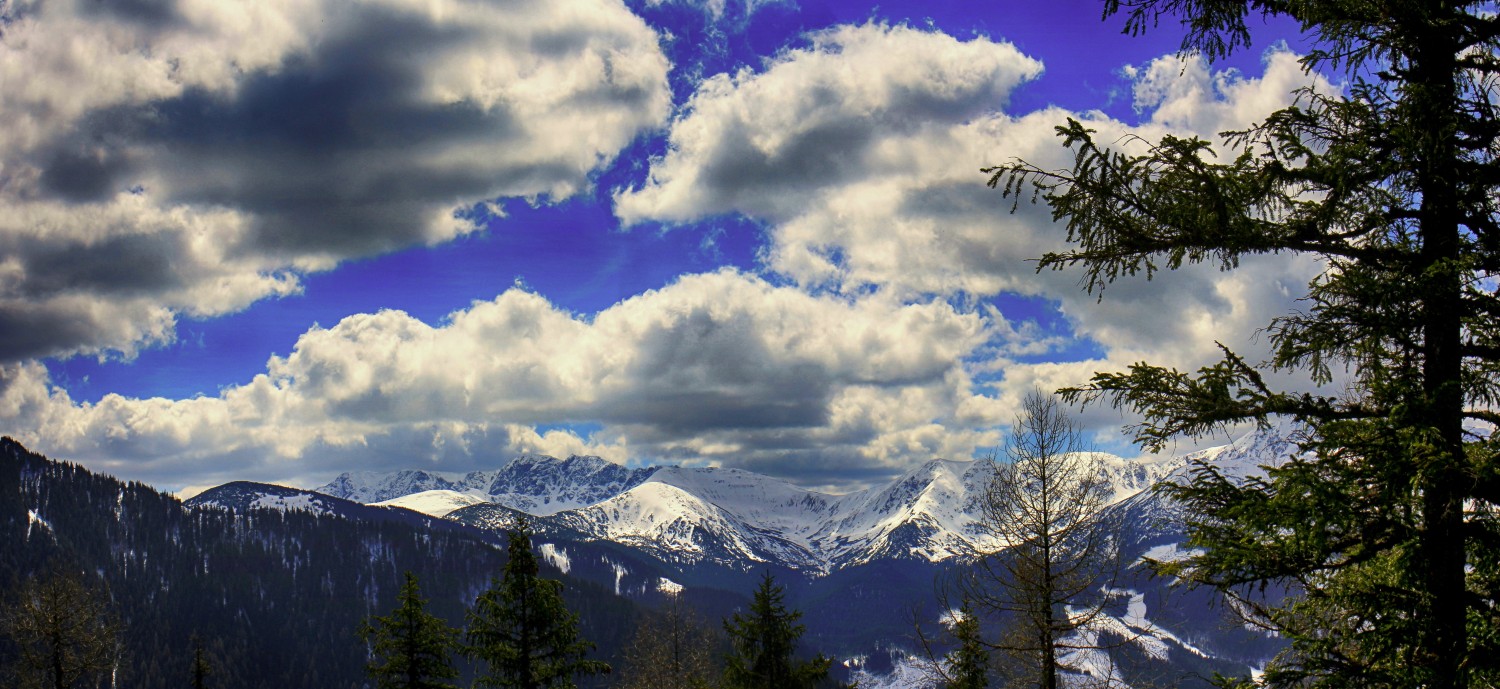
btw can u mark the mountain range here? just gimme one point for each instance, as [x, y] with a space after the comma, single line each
[723, 516]
[644, 532]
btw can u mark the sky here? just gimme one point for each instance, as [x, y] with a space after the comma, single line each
[277, 240]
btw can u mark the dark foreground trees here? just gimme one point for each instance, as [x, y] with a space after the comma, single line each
[1386, 523]
[763, 643]
[521, 629]
[64, 632]
[410, 648]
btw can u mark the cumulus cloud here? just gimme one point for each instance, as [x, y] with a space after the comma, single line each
[862, 154]
[191, 157]
[768, 143]
[721, 368]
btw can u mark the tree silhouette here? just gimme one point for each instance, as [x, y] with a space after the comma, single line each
[521, 629]
[671, 649]
[1383, 524]
[968, 665]
[1044, 504]
[411, 648]
[201, 667]
[763, 642]
[63, 630]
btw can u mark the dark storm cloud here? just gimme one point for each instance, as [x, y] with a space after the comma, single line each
[150, 12]
[205, 172]
[690, 413]
[27, 332]
[84, 174]
[325, 152]
[127, 264]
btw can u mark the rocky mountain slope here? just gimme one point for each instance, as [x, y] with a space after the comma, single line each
[728, 517]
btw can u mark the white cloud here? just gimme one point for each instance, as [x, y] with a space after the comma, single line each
[721, 367]
[768, 143]
[863, 189]
[229, 147]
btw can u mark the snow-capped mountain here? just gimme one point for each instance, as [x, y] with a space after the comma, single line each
[727, 517]
[534, 484]
[239, 496]
[853, 558]
[435, 503]
[737, 519]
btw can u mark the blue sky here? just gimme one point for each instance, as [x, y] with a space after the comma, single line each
[395, 234]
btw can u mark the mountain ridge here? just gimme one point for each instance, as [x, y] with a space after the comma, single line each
[726, 516]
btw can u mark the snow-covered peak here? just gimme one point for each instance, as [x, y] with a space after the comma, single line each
[931, 512]
[435, 503]
[239, 496]
[371, 487]
[1245, 456]
[670, 523]
[535, 484]
[758, 499]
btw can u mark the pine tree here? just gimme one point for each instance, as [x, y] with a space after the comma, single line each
[1384, 525]
[763, 642]
[201, 668]
[968, 665]
[522, 630]
[411, 648]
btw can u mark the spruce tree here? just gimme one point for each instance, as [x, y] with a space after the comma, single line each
[763, 642]
[521, 629]
[1383, 525]
[411, 648]
[968, 665]
[201, 668]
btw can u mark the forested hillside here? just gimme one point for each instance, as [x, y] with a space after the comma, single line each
[275, 595]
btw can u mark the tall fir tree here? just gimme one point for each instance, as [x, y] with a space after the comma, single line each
[410, 648]
[521, 629]
[968, 665]
[763, 643]
[201, 667]
[1384, 524]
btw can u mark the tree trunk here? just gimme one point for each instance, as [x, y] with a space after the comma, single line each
[1443, 550]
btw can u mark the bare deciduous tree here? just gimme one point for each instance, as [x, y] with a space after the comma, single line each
[671, 649]
[1049, 579]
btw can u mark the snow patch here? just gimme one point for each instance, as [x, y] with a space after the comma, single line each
[433, 503]
[1170, 552]
[558, 557]
[620, 573]
[303, 501]
[666, 586]
[1133, 627]
[32, 518]
[909, 672]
